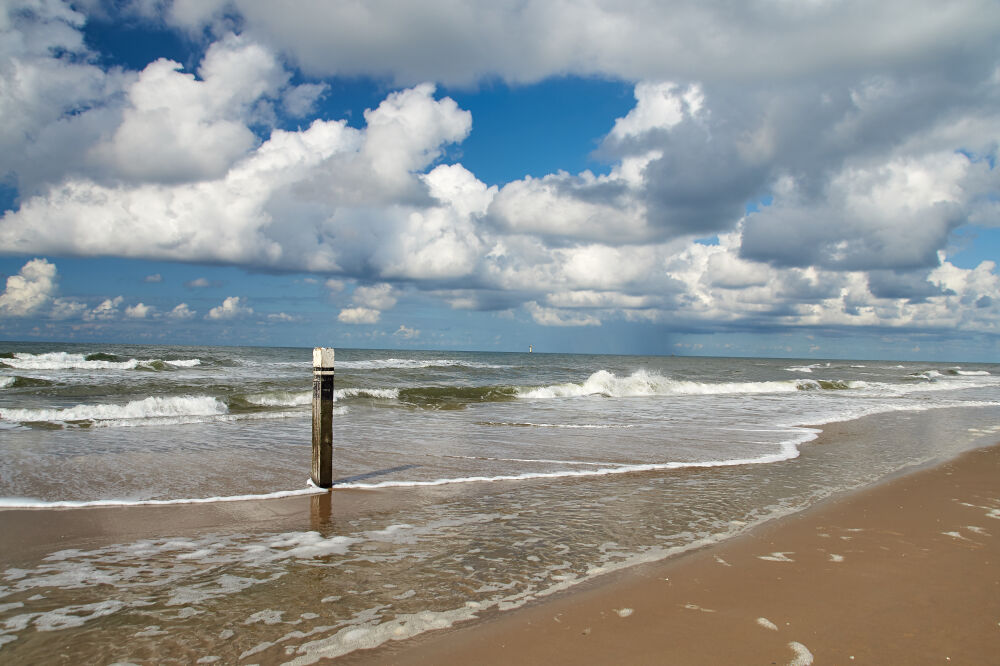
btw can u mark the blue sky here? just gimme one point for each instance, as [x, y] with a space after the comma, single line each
[780, 179]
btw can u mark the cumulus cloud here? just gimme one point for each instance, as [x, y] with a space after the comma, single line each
[359, 315]
[231, 308]
[177, 128]
[295, 202]
[64, 308]
[810, 175]
[378, 296]
[106, 310]
[139, 311]
[406, 333]
[181, 311]
[555, 317]
[301, 100]
[524, 41]
[894, 214]
[29, 290]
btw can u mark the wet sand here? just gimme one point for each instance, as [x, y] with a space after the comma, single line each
[907, 571]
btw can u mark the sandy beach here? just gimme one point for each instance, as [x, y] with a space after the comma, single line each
[905, 572]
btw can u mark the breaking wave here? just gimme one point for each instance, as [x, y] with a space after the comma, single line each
[415, 364]
[152, 407]
[644, 383]
[98, 361]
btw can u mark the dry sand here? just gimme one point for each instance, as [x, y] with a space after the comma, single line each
[906, 572]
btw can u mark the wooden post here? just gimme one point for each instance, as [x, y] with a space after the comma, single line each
[322, 449]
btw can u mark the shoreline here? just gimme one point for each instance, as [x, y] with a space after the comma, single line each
[906, 569]
[624, 618]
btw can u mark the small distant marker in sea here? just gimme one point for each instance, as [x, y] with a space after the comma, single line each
[530, 349]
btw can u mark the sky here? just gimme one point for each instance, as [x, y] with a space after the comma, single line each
[783, 178]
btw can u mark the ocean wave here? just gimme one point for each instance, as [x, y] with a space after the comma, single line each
[378, 394]
[15, 381]
[415, 364]
[30, 503]
[807, 368]
[304, 398]
[455, 397]
[585, 426]
[98, 361]
[643, 383]
[153, 407]
[207, 418]
[830, 384]
[279, 399]
[787, 450]
[185, 363]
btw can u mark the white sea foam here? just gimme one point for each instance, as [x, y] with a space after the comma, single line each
[148, 408]
[30, 503]
[803, 657]
[571, 426]
[7, 381]
[67, 361]
[645, 383]
[786, 451]
[539, 460]
[280, 399]
[415, 364]
[381, 394]
[185, 363]
[973, 373]
[767, 624]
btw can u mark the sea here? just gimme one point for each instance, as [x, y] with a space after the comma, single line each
[478, 482]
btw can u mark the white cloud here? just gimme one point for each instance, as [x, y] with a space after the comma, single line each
[282, 317]
[554, 317]
[359, 315]
[63, 308]
[527, 40]
[231, 308]
[295, 202]
[154, 278]
[659, 106]
[182, 311]
[862, 154]
[406, 333]
[378, 297]
[178, 128]
[29, 290]
[300, 100]
[139, 311]
[894, 214]
[106, 310]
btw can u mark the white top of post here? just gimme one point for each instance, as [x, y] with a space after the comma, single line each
[323, 357]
